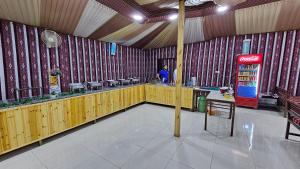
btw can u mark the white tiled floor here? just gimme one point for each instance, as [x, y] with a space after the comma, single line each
[142, 138]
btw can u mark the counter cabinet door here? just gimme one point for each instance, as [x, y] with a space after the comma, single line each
[4, 132]
[187, 98]
[32, 123]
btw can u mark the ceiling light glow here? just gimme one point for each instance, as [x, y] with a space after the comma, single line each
[222, 8]
[173, 17]
[176, 7]
[137, 17]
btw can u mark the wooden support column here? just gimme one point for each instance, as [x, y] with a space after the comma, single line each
[179, 67]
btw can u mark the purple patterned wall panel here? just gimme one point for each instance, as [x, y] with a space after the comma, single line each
[33, 60]
[128, 61]
[222, 60]
[134, 74]
[44, 66]
[130, 57]
[262, 43]
[8, 59]
[276, 61]
[205, 62]
[294, 66]
[87, 59]
[184, 61]
[117, 56]
[133, 65]
[112, 67]
[107, 61]
[254, 43]
[199, 64]
[80, 59]
[215, 62]
[267, 66]
[93, 66]
[120, 57]
[21, 57]
[194, 60]
[211, 61]
[74, 59]
[189, 62]
[52, 53]
[286, 57]
[271, 67]
[124, 58]
[237, 50]
[97, 60]
[64, 64]
[101, 45]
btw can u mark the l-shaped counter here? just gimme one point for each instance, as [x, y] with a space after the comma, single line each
[26, 124]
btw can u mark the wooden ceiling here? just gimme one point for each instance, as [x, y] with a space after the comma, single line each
[111, 20]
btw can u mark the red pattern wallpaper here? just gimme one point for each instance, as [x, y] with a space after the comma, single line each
[33, 60]
[8, 59]
[21, 60]
[108, 67]
[203, 59]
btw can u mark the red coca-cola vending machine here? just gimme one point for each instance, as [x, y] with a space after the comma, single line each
[248, 79]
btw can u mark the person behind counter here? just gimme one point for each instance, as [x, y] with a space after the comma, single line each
[163, 75]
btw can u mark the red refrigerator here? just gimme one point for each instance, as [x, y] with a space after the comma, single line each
[248, 79]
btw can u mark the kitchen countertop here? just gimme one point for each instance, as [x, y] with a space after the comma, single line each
[87, 92]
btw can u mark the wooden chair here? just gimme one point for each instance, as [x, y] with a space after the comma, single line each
[293, 109]
[283, 95]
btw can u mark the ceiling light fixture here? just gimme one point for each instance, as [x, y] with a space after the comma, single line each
[222, 8]
[176, 7]
[195, 2]
[137, 17]
[173, 17]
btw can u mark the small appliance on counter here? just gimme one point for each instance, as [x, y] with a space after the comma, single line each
[112, 83]
[76, 86]
[95, 85]
[223, 89]
[134, 80]
[124, 82]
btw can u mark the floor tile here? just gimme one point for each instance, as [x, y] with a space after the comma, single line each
[23, 161]
[142, 137]
[176, 165]
[146, 159]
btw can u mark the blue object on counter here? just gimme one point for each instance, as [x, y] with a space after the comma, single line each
[247, 91]
[164, 75]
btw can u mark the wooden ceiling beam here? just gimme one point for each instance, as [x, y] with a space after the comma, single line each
[125, 7]
[209, 9]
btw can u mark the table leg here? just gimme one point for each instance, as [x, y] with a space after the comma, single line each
[287, 132]
[206, 111]
[194, 101]
[210, 105]
[230, 112]
[232, 120]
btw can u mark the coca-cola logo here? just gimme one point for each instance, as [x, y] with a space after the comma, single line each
[249, 59]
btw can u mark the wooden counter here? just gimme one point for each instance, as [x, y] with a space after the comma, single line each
[165, 95]
[26, 124]
[23, 125]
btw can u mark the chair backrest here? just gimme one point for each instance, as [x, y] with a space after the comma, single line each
[283, 94]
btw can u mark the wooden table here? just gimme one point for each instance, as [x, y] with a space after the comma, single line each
[217, 100]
